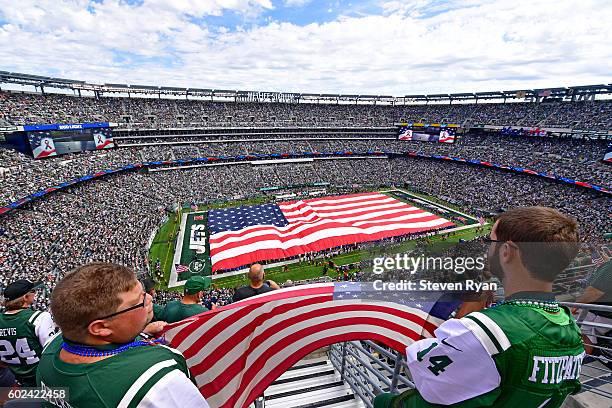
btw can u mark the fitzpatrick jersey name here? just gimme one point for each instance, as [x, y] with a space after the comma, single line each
[553, 370]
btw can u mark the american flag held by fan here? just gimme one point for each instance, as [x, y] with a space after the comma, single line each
[237, 351]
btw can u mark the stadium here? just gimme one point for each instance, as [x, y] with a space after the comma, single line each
[326, 210]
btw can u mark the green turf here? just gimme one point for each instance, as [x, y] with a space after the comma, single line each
[424, 196]
[435, 200]
[304, 270]
[165, 240]
[163, 247]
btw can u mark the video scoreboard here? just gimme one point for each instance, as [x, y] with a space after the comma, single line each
[58, 139]
[423, 132]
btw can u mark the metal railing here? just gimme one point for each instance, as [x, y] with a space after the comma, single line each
[599, 360]
[370, 369]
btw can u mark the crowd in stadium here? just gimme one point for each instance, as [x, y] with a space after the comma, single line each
[576, 159]
[112, 219]
[19, 109]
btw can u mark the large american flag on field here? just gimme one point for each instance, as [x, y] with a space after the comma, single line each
[243, 235]
[237, 351]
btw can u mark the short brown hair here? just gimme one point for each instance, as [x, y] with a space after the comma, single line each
[88, 292]
[548, 239]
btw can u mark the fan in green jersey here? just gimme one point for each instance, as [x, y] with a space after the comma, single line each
[523, 352]
[190, 304]
[149, 287]
[101, 308]
[23, 331]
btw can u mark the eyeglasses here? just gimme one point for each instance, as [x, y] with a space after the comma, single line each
[490, 241]
[139, 305]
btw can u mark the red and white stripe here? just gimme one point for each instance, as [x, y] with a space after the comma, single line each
[237, 351]
[107, 144]
[318, 224]
[40, 153]
[181, 268]
[447, 138]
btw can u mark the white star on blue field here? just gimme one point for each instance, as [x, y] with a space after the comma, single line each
[237, 218]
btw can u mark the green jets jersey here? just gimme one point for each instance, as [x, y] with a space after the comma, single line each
[176, 311]
[22, 336]
[503, 357]
[151, 376]
[157, 312]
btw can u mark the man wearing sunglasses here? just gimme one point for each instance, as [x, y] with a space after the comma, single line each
[23, 331]
[523, 352]
[100, 357]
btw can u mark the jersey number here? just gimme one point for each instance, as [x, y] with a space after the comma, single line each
[438, 363]
[22, 348]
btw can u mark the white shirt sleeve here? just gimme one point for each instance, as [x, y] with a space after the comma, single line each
[452, 367]
[173, 390]
[44, 327]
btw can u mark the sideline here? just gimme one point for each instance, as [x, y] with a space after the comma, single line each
[173, 281]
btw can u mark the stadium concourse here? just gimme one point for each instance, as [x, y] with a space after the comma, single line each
[112, 218]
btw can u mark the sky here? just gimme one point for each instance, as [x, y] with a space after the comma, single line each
[379, 47]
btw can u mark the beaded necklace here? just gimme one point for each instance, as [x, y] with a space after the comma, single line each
[105, 350]
[550, 306]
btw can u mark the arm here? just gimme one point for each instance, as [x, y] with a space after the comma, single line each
[154, 328]
[44, 327]
[590, 295]
[272, 284]
[456, 365]
[173, 390]
[601, 286]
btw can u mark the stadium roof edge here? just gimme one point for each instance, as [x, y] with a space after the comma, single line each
[145, 87]
[590, 86]
[53, 82]
[208, 90]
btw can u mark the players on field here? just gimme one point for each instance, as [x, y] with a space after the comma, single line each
[524, 352]
[23, 331]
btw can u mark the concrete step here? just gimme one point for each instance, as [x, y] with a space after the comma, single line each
[310, 383]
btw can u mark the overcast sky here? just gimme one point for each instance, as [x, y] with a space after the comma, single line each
[357, 47]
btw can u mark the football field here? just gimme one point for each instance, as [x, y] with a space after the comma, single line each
[188, 251]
